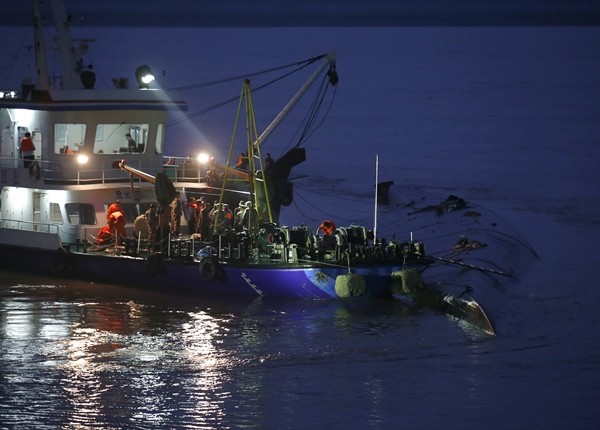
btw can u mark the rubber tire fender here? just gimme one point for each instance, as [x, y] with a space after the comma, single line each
[208, 268]
[154, 263]
[61, 258]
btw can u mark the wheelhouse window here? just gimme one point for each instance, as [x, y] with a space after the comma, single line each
[130, 210]
[81, 213]
[113, 139]
[55, 215]
[68, 138]
[160, 138]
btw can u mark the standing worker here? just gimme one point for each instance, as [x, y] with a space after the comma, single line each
[152, 218]
[26, 149]
[190, 209]
[176, 213]
[268, 164]
[205, 232]
[131, 145]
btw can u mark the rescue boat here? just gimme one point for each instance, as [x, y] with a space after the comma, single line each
[94, 147]
[53, 208]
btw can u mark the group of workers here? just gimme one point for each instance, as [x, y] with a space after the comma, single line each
[206, 219]
[203, 219]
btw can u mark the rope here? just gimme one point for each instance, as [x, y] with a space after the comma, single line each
[225, 102]
[337, 197]
[312, 115]
[304, 63]
[318, 209]
[299, 210]
[470, 266]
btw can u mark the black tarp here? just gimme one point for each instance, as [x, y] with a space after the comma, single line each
[165, 191]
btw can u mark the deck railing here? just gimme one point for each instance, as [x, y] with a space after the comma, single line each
[178, 169]
[16, 224]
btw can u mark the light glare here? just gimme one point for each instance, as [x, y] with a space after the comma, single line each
[203, 158]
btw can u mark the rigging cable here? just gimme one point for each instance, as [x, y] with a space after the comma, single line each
[302, 64]
[318, 209]
[309, 120]
[312, 116]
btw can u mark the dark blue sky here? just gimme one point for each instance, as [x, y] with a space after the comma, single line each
[317, 12]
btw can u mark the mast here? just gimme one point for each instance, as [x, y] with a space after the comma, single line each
[40, 48]
[259, 193]
[254, 155]
[69, 55]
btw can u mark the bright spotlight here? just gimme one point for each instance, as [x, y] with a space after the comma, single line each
[82, 158]
[144, 76]
[203, 158]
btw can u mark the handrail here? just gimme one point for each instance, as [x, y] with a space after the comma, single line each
[52, 171]
[35, 225]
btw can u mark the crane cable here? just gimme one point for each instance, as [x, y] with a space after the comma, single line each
[302, 64]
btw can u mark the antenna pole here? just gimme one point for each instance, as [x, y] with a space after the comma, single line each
[376, 186]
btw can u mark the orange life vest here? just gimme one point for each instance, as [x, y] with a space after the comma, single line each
[327, 227]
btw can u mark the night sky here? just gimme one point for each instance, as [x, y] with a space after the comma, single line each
[316, 12]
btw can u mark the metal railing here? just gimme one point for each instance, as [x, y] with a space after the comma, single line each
[42, 227]
[177, 169]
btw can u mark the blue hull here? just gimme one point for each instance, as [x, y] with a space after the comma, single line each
[310, 282]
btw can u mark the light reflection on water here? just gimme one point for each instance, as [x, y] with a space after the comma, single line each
[109, 363]
[91, 356]
[77, 355]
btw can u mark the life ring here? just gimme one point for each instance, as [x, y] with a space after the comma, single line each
[154, 263]
[209, 267]
[61, 258]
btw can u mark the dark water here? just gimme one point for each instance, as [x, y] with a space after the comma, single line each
[508, 116]
[82, 355]
[98, 355]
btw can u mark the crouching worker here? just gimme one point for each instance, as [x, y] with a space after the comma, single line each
[105, 236]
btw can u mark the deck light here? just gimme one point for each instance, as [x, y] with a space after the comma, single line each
[203, 158]
[144, 76]
[8, 94]
[82, 158]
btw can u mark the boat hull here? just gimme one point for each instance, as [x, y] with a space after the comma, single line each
[312, 282]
